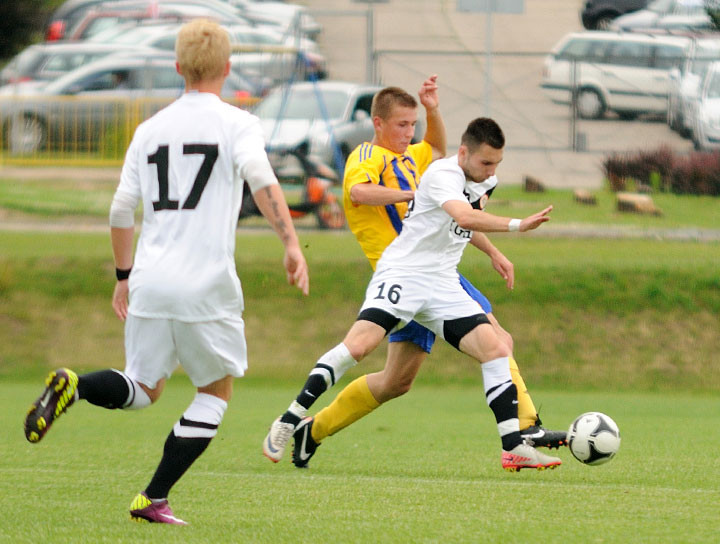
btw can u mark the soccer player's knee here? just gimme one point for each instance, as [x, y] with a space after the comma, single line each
[507, 339]
[399, 388]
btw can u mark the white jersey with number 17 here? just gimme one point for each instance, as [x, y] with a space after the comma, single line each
[184, 163]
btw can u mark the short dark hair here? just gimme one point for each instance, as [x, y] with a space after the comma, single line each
[389, 97]
[483, 130]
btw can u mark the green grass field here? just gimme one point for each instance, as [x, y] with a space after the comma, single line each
[424, 468]
[627, 327]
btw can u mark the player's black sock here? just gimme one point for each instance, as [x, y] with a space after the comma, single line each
[106, 388]
[186, 442]
[505, 408]
[178, 455]
[314, 386]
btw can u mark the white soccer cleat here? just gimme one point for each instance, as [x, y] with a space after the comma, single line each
[277, 439]
[524, 456]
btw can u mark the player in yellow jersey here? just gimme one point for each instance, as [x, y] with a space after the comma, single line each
[380, 179]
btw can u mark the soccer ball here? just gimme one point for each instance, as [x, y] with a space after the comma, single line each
[593, 438]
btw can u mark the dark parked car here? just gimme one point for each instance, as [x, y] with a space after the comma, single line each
[597, 14]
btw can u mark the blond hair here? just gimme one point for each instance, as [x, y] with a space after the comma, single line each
[385, 100]
[202, 49]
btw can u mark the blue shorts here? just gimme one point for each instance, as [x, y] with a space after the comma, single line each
[424, 338]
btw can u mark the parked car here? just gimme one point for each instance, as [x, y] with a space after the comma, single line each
[49, 60]
[330, 118]
[288, 18]
[97, 21]
[76, 111]
[706, 126]
[663, 13]
[273, 67]
[66, 17]
[626, 73]
[69, 14]
[598, 14]
[684, 82]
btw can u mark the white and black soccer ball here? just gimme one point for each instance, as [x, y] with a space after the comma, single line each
[593, 438]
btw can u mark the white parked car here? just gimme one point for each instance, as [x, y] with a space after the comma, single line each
[626, 73]
[328, 118]
[684, 83]
[706, 128]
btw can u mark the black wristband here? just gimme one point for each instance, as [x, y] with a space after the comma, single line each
[121, 274]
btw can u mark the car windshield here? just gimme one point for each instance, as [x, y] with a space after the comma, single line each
[27, 61]
[661, 6]
[303, 104]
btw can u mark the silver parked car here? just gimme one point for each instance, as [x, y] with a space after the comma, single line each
[103, 100]
[328, 118]
[50, 60]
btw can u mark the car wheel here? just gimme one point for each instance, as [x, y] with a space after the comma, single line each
[604, 21]
[590, 104]
[26, 134]
[696, 137]
[330, 213]
[672, 117]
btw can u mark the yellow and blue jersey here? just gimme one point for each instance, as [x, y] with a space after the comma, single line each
[376, 226]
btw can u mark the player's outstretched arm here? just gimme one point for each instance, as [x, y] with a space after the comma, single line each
[476, 220]
[271, 202]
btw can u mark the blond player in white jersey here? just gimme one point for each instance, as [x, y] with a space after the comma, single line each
[180, 296]
[416, 278]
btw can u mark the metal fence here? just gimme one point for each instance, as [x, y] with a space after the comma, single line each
[71, 130]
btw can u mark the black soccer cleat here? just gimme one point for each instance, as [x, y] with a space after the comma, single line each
[58, 396]
[305, 445]
[540, 437]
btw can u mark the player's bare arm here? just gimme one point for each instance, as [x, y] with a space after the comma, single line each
[476, 220]
[500, 262]
[435, 133]
[271, 203]
[372, 194]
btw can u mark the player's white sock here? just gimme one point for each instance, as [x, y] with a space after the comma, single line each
[137, 397]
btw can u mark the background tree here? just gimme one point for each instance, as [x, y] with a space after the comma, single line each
[22, 23]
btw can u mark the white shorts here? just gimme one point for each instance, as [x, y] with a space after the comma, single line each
[207, 350]
[429, 299]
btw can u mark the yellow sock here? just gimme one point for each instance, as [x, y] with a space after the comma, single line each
[526, 409]
[352, 403]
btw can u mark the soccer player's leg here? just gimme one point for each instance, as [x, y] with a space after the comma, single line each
[407, 350]
[530, 424]
[364, 336]
[475, 336]
[108, 388]
[361, 396]
[188, 439]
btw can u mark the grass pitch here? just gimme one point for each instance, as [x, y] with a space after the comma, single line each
[424, 468]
